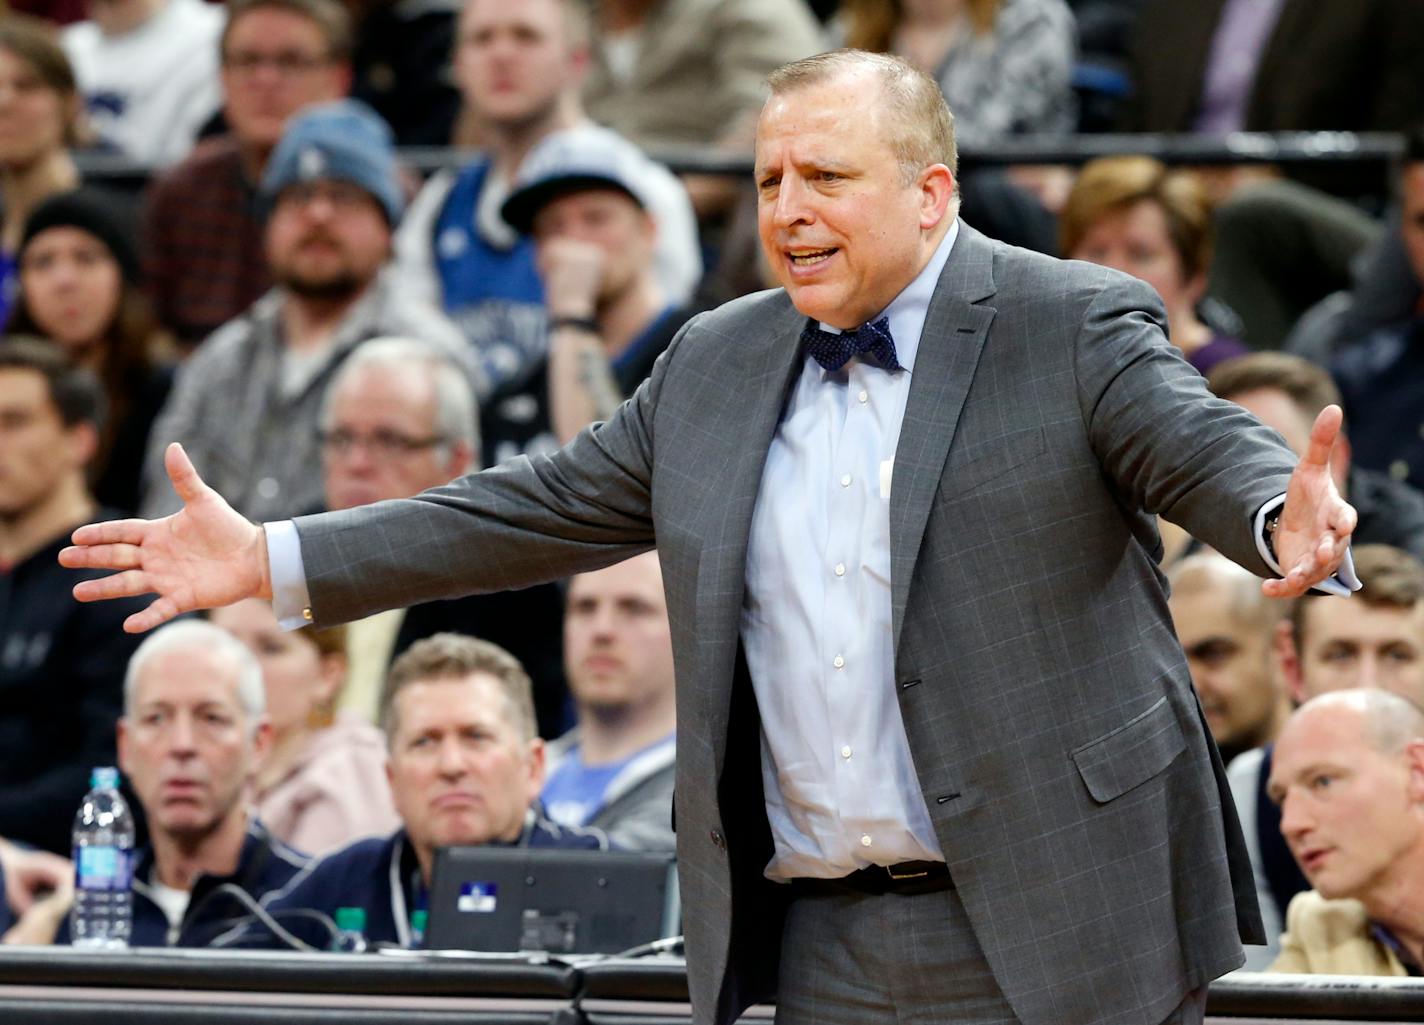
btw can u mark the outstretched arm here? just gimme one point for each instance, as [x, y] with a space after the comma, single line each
[203, 556]
[1315, 524]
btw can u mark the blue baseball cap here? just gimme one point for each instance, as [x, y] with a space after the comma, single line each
[341, 141]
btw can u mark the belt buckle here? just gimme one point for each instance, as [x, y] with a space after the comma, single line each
[890, 871]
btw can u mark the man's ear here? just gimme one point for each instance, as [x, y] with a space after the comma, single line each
[82, 441]
[122, 737]
[937, 192]
[1288, 661]
[1414, 758]
[261, 740]
[537, 761]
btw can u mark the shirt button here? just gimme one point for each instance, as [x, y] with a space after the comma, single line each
[865, 839]
[845, 480]
[845, 751]
[840, 569]
[864, 397]
[838, 662]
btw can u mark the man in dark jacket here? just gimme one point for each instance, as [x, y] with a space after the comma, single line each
[194, 730]
[465, 767]
[61, 663]
[1287, 393]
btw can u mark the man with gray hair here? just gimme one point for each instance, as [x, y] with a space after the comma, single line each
[400, 418]
[1348, 775]
[194, 729]
[938, 755]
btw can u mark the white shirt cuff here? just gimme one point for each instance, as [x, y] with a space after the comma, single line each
[1342, 584]
[290, 601]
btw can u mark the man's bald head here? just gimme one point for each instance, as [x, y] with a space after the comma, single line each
[1226, 626]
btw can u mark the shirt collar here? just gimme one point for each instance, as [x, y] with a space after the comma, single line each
[907, 311]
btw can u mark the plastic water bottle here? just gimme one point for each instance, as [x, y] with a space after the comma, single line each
[103, 866]
[351, 930]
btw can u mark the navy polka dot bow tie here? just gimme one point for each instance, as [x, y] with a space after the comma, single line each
[833, 351]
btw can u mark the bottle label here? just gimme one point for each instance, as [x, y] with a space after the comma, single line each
[103, 868]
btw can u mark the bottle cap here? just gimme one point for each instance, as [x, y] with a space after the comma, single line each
[351, 919]
[104, 776]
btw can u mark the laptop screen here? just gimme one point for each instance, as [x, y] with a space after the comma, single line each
[563, 902]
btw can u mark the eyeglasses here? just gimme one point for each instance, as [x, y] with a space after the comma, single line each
[288, 64]
[381, 444]
[342, 195]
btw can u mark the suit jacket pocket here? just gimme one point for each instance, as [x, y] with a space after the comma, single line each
[1131, 754]
[985, 461]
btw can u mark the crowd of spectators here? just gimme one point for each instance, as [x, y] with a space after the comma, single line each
[323, 329]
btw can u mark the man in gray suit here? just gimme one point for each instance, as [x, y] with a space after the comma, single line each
[939, 757]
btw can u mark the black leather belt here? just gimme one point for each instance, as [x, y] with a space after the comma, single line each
[906, 878]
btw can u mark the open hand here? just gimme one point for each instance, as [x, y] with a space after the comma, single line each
[1315, 525]
[203, 556]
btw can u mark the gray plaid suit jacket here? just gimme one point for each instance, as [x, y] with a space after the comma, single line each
[1080, 804]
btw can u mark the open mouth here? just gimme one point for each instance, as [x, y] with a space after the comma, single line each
[811, 257]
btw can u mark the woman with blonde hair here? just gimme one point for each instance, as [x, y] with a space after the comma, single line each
[323, 784]
[1138, 216]
[1004, 66]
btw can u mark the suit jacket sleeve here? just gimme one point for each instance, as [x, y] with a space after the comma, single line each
[1170, 447]
[526, 521]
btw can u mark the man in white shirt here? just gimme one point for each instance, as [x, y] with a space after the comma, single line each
[148, 70]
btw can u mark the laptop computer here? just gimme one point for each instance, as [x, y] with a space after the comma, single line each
[563, 902]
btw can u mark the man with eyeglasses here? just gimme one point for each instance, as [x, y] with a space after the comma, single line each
[203, 259]
[397, 419]
[247, 403]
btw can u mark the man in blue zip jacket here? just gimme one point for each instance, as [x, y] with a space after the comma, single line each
[465, 765]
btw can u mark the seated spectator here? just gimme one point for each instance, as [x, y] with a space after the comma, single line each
[1004, 66]
[614, 770]
[28, 877]
[1381, 374]
[1287, 393]
[1349, 779]
[1281, 248]
[401, 66]
[55, 653]
[1135, 215]
[1227, 627]
[1290, 66]
[465, 768]
[580, 195]
[246, 404]
[397, 419]
[203, 253]
[148, 70]
[194, 731]
[322, 783]
[79, 288]
[520, 67]
[1374, 640]
[668, 73]
[40, 105]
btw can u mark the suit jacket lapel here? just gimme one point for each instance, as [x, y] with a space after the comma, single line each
[953, 338]
[757, 385]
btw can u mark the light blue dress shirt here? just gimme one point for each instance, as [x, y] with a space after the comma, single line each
[840, 785]
[839, 781]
